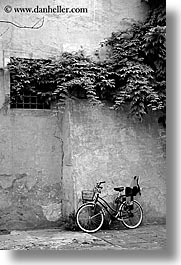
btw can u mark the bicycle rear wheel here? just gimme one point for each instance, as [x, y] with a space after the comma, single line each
[132, 216]
[90, 217]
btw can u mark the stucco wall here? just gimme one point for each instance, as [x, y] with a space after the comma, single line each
[64, 32]
[107, 145]
[45, 162]
[30, 169]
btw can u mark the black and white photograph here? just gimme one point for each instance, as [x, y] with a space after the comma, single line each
[83, 125]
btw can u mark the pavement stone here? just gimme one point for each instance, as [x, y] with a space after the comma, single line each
[143, 237]
[148, 237]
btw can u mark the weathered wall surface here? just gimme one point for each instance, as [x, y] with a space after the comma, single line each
[30, 170]
[44, 167]
[63, 32]
[107, 145]
[45, 163]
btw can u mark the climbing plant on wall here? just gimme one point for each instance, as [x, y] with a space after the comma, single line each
[134, 74]
[138, 59]
[70, 75]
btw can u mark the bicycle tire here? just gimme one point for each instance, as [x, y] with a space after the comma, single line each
[90, 217]
[131, 218]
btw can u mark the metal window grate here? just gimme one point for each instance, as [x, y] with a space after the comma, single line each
[29, 100]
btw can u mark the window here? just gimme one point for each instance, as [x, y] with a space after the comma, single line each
[28, 89]
[29, 100]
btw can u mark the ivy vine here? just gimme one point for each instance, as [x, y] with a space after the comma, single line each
[134, 73]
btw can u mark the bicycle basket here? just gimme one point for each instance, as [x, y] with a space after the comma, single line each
[87, 195]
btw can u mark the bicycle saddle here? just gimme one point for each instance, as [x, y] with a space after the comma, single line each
[119, 189]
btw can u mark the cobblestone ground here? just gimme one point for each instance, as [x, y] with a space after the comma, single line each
[144, 237]
[149, 237]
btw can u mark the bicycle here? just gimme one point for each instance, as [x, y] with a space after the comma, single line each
[90, 215]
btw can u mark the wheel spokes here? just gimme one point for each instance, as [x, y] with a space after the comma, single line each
[90, 218]
[131, 218]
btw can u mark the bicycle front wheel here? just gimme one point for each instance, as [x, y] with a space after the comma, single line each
[90, 217]
[132, 215]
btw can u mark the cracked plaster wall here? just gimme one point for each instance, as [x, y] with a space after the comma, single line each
[30, 170]
[107, 145]
[32, 186]
[64, 32]
[41, 180]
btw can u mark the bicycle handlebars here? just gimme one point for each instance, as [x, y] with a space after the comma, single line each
[99, 183]
[98, 186]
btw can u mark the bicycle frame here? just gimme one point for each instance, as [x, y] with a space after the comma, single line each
[91, 214]
[115, 213]
[105, 205]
